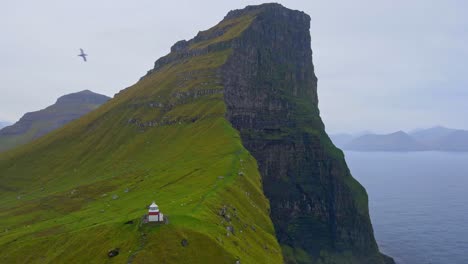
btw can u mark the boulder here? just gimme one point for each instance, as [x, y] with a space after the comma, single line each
[184, 242]
[113, 252]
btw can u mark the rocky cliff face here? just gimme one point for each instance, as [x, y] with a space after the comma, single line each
[320, 212]
[185, 135]
[271, 97]
[36, 124]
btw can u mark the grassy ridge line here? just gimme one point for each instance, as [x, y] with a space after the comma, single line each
[56, 200]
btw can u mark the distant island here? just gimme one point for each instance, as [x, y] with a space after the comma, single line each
[37, 124]
[432, 139]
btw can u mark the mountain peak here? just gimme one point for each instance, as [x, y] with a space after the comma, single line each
[399, 133]
[85, 96]
[267, 7]
[230, 29]
[33, 125]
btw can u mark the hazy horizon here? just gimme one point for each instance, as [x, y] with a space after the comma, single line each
[381, 66]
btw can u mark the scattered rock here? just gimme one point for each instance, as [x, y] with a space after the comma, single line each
[115, 197]
[184, 242]
[126, 190]
[113, 252]
[230, 229]
[223, 211]
[220, 177]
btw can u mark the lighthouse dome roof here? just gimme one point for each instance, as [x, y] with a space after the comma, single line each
[153, 207]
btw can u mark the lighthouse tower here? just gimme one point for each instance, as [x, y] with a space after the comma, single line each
[153, 213]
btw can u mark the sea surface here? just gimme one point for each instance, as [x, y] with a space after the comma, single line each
[418, 203]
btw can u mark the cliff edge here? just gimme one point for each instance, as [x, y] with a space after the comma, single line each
[317, 207]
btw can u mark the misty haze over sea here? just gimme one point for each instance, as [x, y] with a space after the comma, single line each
[417, 202]
[436, 138]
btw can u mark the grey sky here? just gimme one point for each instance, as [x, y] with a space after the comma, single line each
[382, 65]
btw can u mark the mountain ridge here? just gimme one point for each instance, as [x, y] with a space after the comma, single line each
[33, 125]
[436, 138]
[397, 141]
[164, 139]
[189, 136]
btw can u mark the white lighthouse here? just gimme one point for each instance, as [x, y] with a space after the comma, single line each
[153, 213]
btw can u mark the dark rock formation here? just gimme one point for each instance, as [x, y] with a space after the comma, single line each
[113, 252]
[184, 242]
[271, 98]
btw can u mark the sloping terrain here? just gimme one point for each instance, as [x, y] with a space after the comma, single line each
[36, 124]
[189, 135]
[65, 197]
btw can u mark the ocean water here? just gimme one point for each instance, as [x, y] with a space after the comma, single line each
[418, 203]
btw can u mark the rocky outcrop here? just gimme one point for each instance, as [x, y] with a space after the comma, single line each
[271, 97]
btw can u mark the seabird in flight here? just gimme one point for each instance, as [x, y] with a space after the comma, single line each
[83, 55]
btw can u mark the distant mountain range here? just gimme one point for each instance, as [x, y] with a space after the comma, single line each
[36, 124]
[436, 139]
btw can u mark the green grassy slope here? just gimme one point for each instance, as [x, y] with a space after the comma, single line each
[66, 197]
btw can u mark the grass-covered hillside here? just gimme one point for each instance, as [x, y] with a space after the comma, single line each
[36, 124]
[78, 192]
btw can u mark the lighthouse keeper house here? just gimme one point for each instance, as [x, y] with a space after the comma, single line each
[153, 213]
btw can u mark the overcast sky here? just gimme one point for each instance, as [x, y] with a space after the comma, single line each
[382, 65]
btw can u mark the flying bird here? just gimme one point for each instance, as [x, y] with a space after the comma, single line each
[83, 55]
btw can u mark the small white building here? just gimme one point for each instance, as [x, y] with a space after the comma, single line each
[154, 215]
